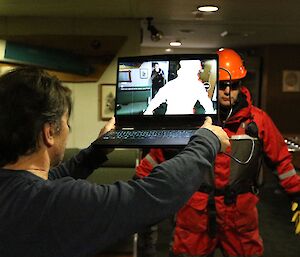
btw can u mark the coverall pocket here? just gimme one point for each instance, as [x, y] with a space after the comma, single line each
[193, 215]
[246, 217]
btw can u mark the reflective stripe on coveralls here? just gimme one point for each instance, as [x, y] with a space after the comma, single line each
[287, 174]
[151, 160]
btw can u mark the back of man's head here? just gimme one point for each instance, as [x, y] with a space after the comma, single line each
[29, 98]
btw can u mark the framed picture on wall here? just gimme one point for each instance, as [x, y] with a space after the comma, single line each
[143, 73]
[106, 96]
[291, 81]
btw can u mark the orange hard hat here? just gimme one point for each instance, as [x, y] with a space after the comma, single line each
[231, 65]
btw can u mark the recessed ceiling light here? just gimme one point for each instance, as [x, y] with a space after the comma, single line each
[169, 50]
[175, 43]
[224, 33]
[208, 8]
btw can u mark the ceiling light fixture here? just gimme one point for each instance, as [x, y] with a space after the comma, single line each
[156, 34]
[224, 33]
[208, 8]
[175, 43]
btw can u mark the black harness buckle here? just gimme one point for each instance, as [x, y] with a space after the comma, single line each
[230, 196]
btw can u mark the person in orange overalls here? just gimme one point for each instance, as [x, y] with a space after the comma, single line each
[223, 212]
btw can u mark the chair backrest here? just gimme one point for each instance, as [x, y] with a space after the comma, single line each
[120, 165]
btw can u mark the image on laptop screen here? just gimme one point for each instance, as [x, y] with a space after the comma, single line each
[167, 85]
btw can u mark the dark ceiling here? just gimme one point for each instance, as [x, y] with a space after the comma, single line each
[236, 24]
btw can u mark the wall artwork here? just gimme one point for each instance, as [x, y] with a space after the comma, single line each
[107, 95]
[143, 73]
[291, 81]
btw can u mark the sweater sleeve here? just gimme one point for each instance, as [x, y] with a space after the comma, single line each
[80, 165]
[86, 217]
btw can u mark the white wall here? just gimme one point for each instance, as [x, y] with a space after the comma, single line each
[84, 118]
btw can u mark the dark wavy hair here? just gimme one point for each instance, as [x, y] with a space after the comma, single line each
[29, 98]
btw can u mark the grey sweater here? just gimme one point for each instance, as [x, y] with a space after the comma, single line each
[66, 216]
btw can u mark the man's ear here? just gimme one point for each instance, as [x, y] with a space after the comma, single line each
[48, 134]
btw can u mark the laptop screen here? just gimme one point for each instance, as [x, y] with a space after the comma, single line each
[166, 88]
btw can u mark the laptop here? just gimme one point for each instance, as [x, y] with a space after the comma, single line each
[161, 100]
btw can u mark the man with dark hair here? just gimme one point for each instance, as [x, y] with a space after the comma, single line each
[49, 210]
[30, 102]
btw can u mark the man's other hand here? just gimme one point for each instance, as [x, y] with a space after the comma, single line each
[108, 126]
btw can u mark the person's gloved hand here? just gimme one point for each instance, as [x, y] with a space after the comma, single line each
[296, 217]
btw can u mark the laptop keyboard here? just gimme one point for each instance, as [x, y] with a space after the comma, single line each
[148, 134]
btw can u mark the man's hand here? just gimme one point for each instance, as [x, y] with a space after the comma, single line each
[108, 126]
[296, 217]
[218, 131]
